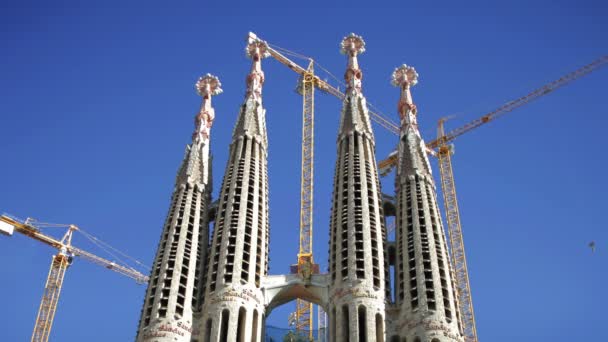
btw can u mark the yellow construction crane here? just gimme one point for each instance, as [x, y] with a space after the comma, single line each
[443, 150]
[59, 264]
[306, 265]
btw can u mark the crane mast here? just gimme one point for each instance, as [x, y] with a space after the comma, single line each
[306, 199]
[50, 297]
[52, 289]
[59, 265]
[459, 260]
[306, 265]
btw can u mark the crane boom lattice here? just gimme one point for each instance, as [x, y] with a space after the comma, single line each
[511, 105]
[387, 164]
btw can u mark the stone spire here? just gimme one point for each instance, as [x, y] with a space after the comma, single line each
[358, 267]
[196, 166]
[414, 151]
[425, 293]
[173, 293]
[256, 50]
[353, 45]
[355, 116]
[206, 87]
[251, 120]
[405, 77]
[238, 258]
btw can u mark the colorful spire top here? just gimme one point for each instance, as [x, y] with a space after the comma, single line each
[352, 45]
[404, 77]
[256, 50]
[206, 86]
[256, 46]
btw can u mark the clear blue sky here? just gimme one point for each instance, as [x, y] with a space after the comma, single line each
[97, 104]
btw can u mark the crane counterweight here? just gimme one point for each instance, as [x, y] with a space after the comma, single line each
[6, 229]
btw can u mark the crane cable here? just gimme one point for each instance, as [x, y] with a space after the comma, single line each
[108, 249]
[289, 52]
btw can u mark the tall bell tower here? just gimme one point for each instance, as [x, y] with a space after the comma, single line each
[425, 292]
[173, 292]
[357, 234]
[238, 258]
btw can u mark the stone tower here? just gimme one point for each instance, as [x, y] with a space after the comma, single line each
[425, 293]
[173, 292]
[233, 308]
[357, 234]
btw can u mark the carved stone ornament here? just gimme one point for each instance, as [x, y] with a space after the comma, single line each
[404, 74]
[208, 85]
[256, 46]
[352, 44]
[405, 77]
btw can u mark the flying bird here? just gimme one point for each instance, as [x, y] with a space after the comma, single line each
[592, 246]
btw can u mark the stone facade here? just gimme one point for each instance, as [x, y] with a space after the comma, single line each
[219, 290]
